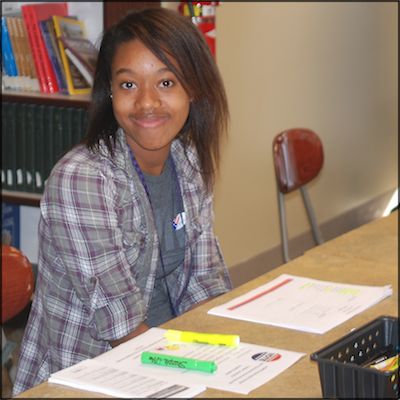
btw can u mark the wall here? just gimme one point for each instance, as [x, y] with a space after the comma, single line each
[331, 67]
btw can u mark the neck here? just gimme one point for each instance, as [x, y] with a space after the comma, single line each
[151, 162]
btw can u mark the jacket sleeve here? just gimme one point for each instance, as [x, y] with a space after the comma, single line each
[80, 209]
[209, 275]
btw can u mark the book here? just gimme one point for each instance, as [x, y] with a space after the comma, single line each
[77, 125]
[32, 14]
[4, 143]
[58, 133]
[24, 76]
[66, 120]
[20, 117]
[68, 27]
[15, 46]
[48, 139]
[48, 33]
[39, 147]
[10, 71]
[10, 224]
[30, 137]
[83, 54]
[11, 143]
[32, 79]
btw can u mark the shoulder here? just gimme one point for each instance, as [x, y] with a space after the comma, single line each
[83, 170]
[186, 160]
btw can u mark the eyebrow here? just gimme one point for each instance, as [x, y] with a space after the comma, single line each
[131, 71]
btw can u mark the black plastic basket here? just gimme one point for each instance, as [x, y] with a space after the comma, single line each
[340, 364]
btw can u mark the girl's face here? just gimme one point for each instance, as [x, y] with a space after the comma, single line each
[149, 102]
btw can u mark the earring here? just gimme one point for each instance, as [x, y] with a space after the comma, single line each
[111, 96]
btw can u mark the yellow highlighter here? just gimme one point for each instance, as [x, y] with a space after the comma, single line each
[204, 338]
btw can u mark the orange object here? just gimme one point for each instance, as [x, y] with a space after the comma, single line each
[17, 282]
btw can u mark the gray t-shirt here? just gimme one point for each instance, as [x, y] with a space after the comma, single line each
[167, 207]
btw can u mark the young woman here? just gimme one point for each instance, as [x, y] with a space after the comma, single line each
[126, 228]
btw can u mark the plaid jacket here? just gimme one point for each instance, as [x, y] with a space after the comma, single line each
[98, 256]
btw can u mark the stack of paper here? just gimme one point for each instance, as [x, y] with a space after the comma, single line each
[302, 303]
[120, 373]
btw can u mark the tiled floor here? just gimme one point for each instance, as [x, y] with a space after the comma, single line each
[13, 330]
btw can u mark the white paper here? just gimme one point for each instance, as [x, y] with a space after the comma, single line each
[111, 380]
[304, 304]
[239, 369]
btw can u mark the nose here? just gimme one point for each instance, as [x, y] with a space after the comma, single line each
[148, 98]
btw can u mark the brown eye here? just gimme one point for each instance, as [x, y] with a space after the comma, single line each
[128, 85]
[167, 83]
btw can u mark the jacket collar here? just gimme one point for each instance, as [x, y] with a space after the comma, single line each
[186, 162]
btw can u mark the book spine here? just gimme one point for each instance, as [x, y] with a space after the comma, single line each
[48, 138]
[28, 17]
[4, 144]
[9, 67]
[21, 147]
[39, 145]
[7, 51]
[53, 38]
[10, 114]
[66, 117]
[59, 71]
[14, 43]
[10, 224]
[30, 133]
[49, 74]
[58, 134]
[27, 56]
[76, 125]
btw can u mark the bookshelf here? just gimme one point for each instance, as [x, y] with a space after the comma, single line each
[112, 12]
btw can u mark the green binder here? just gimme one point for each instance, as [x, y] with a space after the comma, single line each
[4, 139]
[66, 117]
[48, 132]
[11, 157]
[58, 148]
[20, 146]
[39, 148]
[29, 172]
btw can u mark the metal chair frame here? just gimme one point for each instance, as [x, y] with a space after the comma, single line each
[316, 233]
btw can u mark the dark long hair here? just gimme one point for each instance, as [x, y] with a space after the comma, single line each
[167, 34]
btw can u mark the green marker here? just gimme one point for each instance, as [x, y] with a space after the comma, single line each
[165, 360]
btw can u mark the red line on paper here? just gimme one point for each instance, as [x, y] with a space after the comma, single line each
[278, 285]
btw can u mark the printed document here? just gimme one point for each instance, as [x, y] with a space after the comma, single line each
[303, 304]
[120, 373]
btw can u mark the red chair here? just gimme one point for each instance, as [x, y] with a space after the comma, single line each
[298, 157]
[17, 282]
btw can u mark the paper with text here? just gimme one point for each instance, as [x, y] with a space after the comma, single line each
[240, 369]
[304, 304]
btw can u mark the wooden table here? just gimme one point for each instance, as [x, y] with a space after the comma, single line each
[367, 255]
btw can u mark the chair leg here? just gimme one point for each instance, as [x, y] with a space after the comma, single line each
[282, 221]
[311, 216]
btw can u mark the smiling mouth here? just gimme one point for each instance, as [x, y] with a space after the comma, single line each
[150, 121]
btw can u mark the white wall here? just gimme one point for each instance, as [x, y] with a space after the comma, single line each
[331, 67]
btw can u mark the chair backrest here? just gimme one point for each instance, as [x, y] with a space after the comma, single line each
[298, 158]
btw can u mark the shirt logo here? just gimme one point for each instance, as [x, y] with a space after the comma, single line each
[179, 221]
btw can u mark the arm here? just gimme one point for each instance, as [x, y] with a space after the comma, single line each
[209, 275]
[82, 208]
[140, 329]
